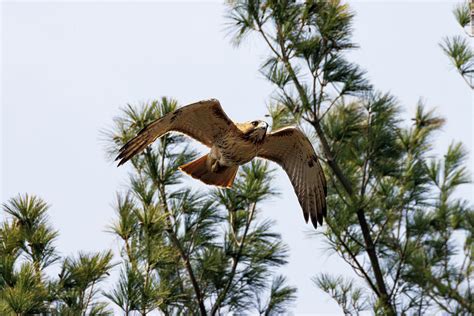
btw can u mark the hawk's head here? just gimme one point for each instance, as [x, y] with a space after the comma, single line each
[254, 131]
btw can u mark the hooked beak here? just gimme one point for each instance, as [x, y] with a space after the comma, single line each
[263, 125]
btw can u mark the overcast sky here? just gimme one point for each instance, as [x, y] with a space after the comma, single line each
[67, 68]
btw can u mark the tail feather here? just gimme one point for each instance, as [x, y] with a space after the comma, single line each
[200, 169]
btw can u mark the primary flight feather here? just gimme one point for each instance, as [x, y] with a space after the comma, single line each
[234, 144]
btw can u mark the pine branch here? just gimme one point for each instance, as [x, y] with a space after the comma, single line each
[354, 258]
[89, 297]
[235, 262]
[370, 247]
[174, 238]
[469, 306]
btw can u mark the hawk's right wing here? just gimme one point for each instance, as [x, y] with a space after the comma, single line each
[203, 121]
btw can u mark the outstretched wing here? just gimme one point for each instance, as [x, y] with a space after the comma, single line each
[291, 149]
[203, 121]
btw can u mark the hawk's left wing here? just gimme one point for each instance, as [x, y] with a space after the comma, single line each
[291, 149]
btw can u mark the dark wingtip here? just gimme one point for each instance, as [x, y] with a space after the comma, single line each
[320, 219]
[306, 216]
[120, 159]
[120, 154]
[121, 162]
[314, 221]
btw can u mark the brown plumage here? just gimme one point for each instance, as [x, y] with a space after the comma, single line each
[233, 144]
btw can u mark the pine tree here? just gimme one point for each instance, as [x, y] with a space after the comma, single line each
[27, 249]
[192, 251]
[392, 212]
[459, 48]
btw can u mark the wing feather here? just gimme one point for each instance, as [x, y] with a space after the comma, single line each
[291, 149]
[204, 121]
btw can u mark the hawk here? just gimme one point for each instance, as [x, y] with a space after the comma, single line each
[233, 144]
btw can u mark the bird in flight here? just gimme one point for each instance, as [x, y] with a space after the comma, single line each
[234, 144]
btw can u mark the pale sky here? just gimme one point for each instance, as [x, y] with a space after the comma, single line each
[67, 68]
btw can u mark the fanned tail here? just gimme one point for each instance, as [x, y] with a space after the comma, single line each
[200, 169]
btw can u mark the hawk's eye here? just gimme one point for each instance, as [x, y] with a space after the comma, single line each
[255, 123]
